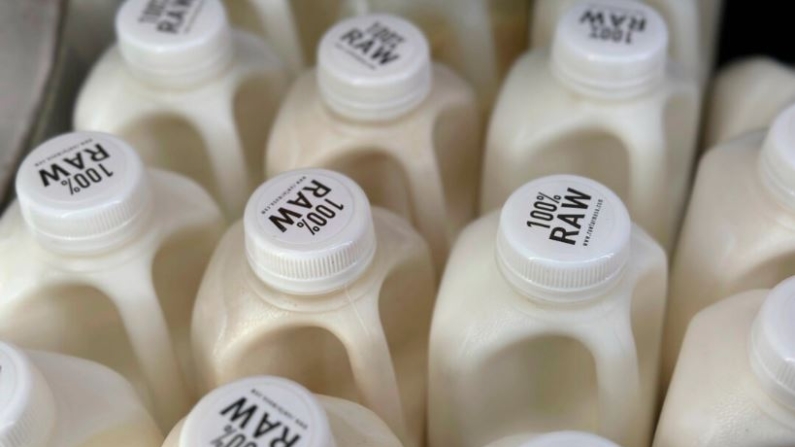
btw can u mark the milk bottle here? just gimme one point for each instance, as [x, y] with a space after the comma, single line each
[734, 384]
[599, 108]
[746, 96]
[480, 40]
[694, 26]
[315, 287]
[549, 317]
[102, 259]
[557, 439]
[379, 111]
[190, 94]
[271, 411]
[52, 400]
[739, 232]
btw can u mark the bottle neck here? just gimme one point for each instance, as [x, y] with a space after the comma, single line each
[593, 89]
[188, 76]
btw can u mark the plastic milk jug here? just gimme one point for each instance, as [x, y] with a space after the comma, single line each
[53, 400]
[734, 384]
[316, 287]
[480, 40]
[556, 439]
[549, 317]
[191, 95]
[694, 27]
[739, 232]
[102, 259]
[266, 411]
[747, 95]
[405, 129]
[601, 108]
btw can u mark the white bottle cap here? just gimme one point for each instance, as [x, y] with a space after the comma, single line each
[777, 159]
[259, 411]
[610, 48]
[569, 439]
[309, 231]
[563, 238]
[373, 67]
[772, 347]
[27, 407]
[84, 192]
[174, 42]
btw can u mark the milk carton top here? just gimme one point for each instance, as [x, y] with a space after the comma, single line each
[772, 344]
[84, 192]
[563, 238]
[777, 160]
[569, 439]
[174, 42]
[309, 231]
[27, 405]
[610, 48]
[373, 67]
[261, 410]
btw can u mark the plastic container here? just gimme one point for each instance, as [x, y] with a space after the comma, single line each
[102, 259]
[747, 96]
[378, 110]
[610, 110]
[734, 384]
[271, 411]
[694, 26]
[191, 95]
[52, 400]
[557, 439]
[739, 232]
[316, 287]
[549, 317]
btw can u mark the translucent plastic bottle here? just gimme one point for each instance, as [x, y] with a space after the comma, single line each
[557, 439]
[191, 95]
[746, 96]
[602, 108]
[734, 385]
[739, 231]
[379, 111]
[694, 26]
[271, 411]
[315, 287]
[549, 317]
[102, 259]
[52, 400]
[478, 39]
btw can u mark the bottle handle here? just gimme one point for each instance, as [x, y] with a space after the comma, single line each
[281, 28]
[373, 369]
[135, 298]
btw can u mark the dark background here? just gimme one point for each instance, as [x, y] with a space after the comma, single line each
[756, 27]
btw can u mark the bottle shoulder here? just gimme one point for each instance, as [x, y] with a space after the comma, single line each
[353, 424]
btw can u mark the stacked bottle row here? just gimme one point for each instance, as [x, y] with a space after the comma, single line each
[550, 313]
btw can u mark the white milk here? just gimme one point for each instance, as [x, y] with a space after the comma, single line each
[378, 110]
[479, 39]
[747, 95]
[734, 385]
[315, 287]
[52, 400]
[557, 439]
[549, 317]
[190, 94]
[270, 411]
[739, 232]
[603, 109]
[102, 259]
[694, 26]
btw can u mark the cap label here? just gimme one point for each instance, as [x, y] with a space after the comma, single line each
[78, 170]
[611, 23]
[170, 16]
[307, 208]
[375, 46]
[567, 216]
